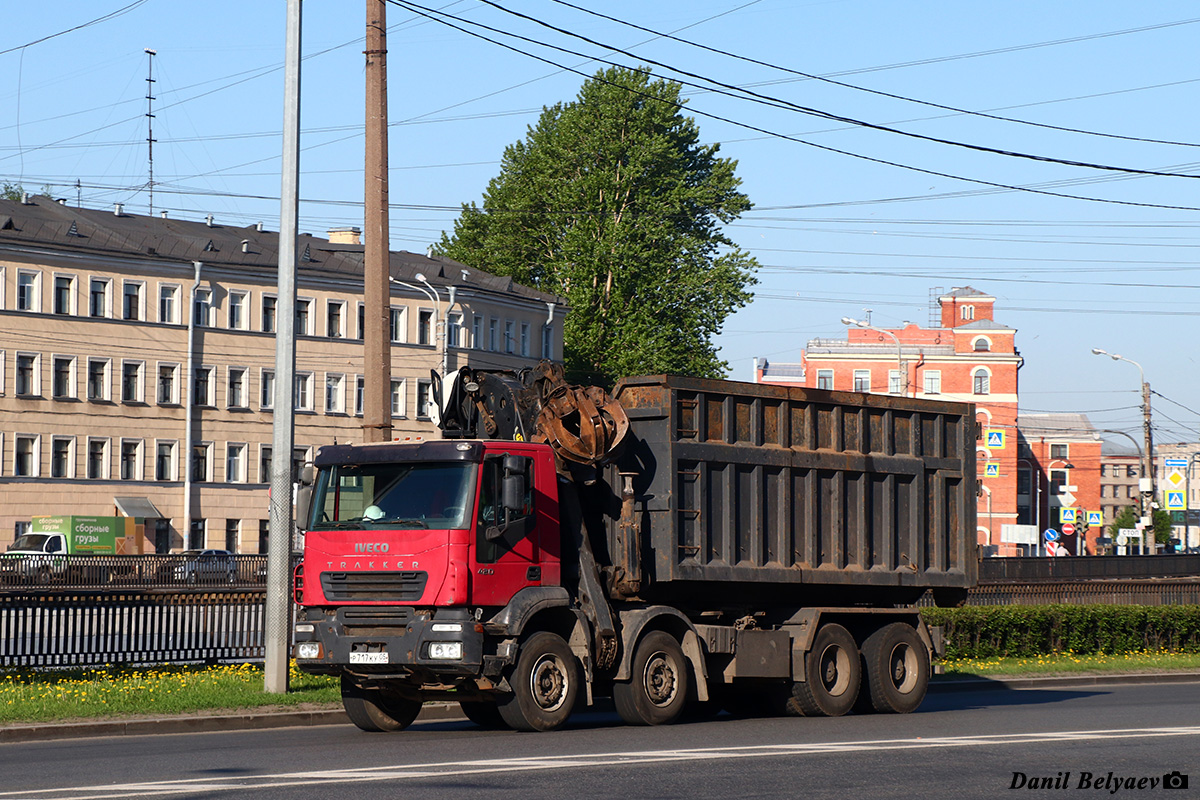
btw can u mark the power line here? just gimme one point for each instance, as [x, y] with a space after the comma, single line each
[96, 21]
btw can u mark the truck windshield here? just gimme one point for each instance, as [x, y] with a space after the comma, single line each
[404, 496]
[30, 541]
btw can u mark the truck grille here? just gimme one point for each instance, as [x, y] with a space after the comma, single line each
[374, 586]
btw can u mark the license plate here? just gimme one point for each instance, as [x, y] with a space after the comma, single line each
[368, 658]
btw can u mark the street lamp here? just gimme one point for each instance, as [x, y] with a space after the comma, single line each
[427, 289]
[1067, 465]
[899, 358]
[1148, 457]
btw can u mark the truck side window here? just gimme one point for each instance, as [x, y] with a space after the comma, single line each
[492, 514]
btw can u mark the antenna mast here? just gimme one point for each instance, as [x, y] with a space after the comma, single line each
[150, 120]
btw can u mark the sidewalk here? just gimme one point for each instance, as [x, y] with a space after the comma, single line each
[438, 712]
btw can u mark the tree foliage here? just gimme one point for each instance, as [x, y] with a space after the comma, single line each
[612, 202]
[1128, 515]
[11, 191]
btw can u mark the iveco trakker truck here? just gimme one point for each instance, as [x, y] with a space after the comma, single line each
[680, 543]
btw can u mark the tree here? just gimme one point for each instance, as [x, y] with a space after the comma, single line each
[1128, 515]
[612, 202]
[11, 191]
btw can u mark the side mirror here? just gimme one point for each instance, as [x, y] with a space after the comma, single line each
[515, 484]
[308, 476]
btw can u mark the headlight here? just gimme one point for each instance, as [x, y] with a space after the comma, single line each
[447, 651]
[308, 650]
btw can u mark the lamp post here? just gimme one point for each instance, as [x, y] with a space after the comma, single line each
[899, 357]
[1149, 487]
[427, 289]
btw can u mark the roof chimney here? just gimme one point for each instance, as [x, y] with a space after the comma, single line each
[25, 198]
[345, 236]
[258, 226]
[162, 214]
[245, 245]
[118, 208]
[208, 220]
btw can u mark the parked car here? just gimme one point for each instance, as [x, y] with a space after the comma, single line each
[206, 567]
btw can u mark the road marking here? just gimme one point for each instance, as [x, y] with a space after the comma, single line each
[492, 766]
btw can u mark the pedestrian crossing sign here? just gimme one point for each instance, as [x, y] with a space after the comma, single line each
[995, 439]
[1176, 501]
[1095, 518]
[1066, 515]
[992, 471]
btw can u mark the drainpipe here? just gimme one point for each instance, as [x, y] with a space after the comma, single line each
[188, 443]
[550, 321]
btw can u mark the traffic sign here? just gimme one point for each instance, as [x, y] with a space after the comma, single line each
[1067, 498]
[995, 439]
[1176, 501]
[1050, 535]
[1068, 528]
[1175, 462]
[1066, 515]
[1095, 518]
[992, 471]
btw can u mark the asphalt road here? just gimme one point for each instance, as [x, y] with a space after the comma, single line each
[959, 745]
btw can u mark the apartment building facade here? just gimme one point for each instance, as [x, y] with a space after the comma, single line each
[105, 410]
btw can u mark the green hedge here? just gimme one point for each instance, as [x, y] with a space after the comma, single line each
[1023, 631]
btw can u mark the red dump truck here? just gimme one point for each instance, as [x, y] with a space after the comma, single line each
[682, 543]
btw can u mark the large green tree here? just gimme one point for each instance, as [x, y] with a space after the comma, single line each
[612, 202]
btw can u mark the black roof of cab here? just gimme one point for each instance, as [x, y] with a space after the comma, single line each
[384, 452]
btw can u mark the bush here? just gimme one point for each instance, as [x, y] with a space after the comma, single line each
[1023, 631]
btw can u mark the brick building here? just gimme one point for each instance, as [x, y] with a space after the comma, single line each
[104, 410]
[1058, 467]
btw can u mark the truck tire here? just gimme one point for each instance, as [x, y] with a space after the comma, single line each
[375, 712]
[545, 685]
[896, 673]
[484, 714]
[658, 691]
[832, 674]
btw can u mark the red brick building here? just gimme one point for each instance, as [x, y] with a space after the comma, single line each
[1058, 466]
[970, 358]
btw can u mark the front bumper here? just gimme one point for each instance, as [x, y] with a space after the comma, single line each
[389, 640]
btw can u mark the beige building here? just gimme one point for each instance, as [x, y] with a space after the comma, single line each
[101, 398]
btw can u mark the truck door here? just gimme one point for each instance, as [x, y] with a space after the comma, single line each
[507, 555]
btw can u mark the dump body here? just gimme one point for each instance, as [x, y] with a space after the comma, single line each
[745, 491]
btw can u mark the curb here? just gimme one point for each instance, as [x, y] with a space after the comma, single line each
[439, 712]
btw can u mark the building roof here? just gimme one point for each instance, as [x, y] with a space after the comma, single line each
[984, 325]
[1059, 426]
[44, 223]
[965, 291]
[843, 347]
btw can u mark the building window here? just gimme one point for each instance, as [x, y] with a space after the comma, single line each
[362, 322]
[235, 391]
[933, 381]
[895, 385]
[1060, 451]
[64, 294]
[825, 379]
[333, 319]
[168, 384]
[164, 461]
[28, 294]
[202, 394]
[398, 409]
[98, 297]
[264, 534]
[423, 399]
[335, 401]
[454, 329]
[1025, 480]
[202, 308]
[1133, 472]
[237, 311]
[1058, 479]
[268, 313]
[525, 339]
[131, 455]
[493, 334]
[200, 461]
[303, 391]
[398, 325]
[982, 345]
[360, 394]
[235, 463]
[133, 301]
[25, 457]
[62, 457]
[862, 380]
[198, 535]
[27, 375]
[267, 396]
[548, 341]
[168, 304]
[981, 382]
[232, 534]
[424, 326]
[510, 343]
[131, 382]
[477, 331]
[968, 312]
[302, 314]
[62, 383]
[264, 464]
[98, 379]
[97, 465]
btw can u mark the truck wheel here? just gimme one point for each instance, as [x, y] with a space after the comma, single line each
[483, 714]
[832, 672]
[545, 685]
[375, 712]
[897, 669]
[658, 691]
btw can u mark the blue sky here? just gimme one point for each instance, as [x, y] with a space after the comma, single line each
[835, 232]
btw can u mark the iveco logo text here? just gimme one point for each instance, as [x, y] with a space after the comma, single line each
[371, 547]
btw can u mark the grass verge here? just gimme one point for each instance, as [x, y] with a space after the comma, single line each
[1071, 664]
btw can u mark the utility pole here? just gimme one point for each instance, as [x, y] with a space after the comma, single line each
[377, 355]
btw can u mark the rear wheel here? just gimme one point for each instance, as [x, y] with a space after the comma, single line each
[832, 672]
[657, 693]
[897, 669]
[482, 713]
[545, 685]
[376, 712]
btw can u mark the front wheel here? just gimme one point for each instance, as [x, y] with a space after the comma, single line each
[658, 690]
[482, 713]
[832, 674]
[375, 712]
[897, 669]
[544, 683]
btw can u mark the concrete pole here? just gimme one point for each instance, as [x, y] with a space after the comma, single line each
[377, 356]
[278, 622]
[1149, 437]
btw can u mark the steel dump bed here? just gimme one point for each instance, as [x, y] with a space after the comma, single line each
[746, 491]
